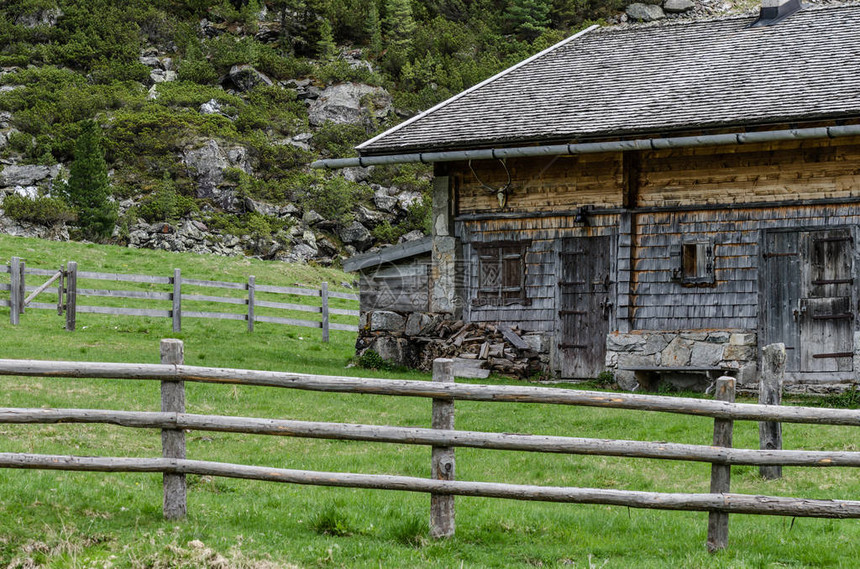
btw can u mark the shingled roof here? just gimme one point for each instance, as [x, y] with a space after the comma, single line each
[638, 80]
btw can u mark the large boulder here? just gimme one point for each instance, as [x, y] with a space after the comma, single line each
[356, 234]
[206, 164]
[27, 175]
[678, 6]
[645, 12]
[349, 103]
[245, 77]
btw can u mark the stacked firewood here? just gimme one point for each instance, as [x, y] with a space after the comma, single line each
[498, 349]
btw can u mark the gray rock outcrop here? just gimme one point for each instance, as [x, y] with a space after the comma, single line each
[349, 103]
[645, 12]
[207, 163]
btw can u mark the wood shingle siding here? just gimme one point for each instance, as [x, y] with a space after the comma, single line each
[805, 170]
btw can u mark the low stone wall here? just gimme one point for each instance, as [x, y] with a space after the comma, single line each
[715, 348]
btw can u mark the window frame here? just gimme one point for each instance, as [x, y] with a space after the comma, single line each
[505, 263]
[693, 262]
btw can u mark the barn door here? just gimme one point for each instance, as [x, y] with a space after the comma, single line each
[808, 293]
[825, 310]
[585, 287]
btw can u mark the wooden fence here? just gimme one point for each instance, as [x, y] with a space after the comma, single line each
[442, 437]
[68, 292]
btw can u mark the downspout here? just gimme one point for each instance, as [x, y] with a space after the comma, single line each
[594, 147]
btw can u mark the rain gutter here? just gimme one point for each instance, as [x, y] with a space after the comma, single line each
[594, 147]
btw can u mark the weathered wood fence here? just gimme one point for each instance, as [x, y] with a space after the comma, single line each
[68, 292]
[442, 437]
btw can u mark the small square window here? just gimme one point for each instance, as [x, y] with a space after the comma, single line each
[693, 262]
[501, 274]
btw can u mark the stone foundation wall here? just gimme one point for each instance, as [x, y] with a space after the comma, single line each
[715, 348]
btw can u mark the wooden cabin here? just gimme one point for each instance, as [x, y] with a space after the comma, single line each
[657, 200]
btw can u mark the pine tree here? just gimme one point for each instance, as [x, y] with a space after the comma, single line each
[373, 28]
[530, 18]
[398, 24]
[325, 45]
[88, 187]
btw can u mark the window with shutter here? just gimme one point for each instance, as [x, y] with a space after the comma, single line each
[694, 262]
[501, 274]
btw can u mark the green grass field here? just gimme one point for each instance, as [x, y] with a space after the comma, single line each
[80, 520]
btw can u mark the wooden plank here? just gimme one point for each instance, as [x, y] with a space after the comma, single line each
[39, 272]
[289, 306]
[4, 286]
[5, 303]
[731, 503]
[513, 338]
[770, 393]
[71, 295]
[424, 436]
[718, 522]
[41, 288]
[177, 300]
[389, 255]
[344, 312]
[251, 291]
[324, 310]
[343, 327]
[289, 290]
[214, 284]
[123, 278]
[208, 298]
[43, 305]
[215, 315]
[124, 294]
[61, 290]
[442, 460]
[15, 291]
[343, 295]
[115, 310]
[289, 321]
[173, 440]
[413, 388]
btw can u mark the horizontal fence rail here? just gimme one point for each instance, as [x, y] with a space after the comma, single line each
[176, 300]
[415, 388]
[443, 438]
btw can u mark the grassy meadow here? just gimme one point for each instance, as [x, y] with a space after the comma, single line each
[92, 520]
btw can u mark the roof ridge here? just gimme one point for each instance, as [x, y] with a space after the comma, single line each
[473, 88]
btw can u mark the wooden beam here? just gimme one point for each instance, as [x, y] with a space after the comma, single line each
[442, 461]
[770, 393]
[173, 440]
[732, 503]
[718, 522]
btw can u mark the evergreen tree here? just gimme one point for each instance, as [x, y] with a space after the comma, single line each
[326, 47]
[88, 187]
[373, 28]
[398, 24]
[530, 18]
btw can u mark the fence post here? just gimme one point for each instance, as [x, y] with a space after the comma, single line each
[770, 393]
[324, 295]
[15, 298]
[22, 284]
[173, 440]
[251, 286]
[177, 300]
[442, 458]
[61, 290]
[718, 522]
[71, 295]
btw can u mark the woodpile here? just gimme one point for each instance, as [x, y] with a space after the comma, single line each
[479, 346]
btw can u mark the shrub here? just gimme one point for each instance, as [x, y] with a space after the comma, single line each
[43, 210]
[166, 204]
[334, 199]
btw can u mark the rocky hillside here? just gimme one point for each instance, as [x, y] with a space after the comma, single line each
[211, 112]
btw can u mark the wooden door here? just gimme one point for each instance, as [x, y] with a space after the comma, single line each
[585, 287]
[825, 310]
[808, 299]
